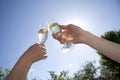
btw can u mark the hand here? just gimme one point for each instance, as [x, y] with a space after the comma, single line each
[36, 52]
[70, 31]
[20, 70]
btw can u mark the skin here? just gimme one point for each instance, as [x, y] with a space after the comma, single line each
[35, 53]
[38, 52]
[107, 48]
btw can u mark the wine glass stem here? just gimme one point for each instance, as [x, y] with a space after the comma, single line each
[65, 45]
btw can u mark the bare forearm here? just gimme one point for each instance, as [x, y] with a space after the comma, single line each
[107, 48]
[34, 53]
[20, 70]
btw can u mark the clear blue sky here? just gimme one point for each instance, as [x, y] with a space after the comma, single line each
[19, 25]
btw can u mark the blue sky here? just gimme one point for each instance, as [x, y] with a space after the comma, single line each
[20, 21]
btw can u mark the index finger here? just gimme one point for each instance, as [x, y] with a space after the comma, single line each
[64, 27]
[42, 46]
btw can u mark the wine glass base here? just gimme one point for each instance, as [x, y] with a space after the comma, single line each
[65, 50]
[67, 47]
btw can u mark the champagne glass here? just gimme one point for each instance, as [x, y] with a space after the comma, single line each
[54, 27]
[42, 35]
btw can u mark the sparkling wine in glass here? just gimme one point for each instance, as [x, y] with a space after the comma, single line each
[54, 27]
[42, 35]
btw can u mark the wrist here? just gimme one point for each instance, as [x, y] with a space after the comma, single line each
[85, 37]
[82, 36]
[89, 38]
[27, 58]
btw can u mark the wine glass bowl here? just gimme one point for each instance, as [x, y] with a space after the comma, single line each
[42, 35]
[54, 27]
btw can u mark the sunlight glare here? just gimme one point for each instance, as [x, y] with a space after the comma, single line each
[76, 21]
[70, 65]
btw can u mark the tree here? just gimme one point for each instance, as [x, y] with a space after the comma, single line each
[110, 68]
[87, 73]
[62, 76]
[4, 73]
[1, 74]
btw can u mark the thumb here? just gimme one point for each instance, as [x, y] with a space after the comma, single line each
[64, 26]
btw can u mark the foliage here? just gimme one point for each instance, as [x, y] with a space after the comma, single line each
[62, 76]
[4, 73]
[110, 68]
[1, 74]
[88, 72]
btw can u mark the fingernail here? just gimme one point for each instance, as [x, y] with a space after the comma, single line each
[45, 55]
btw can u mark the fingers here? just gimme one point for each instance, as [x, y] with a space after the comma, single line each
[42, 46]
[59, 38]
[44, 56]
[64, 26]
[63, 38]
[56, 35]
[43, 53]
